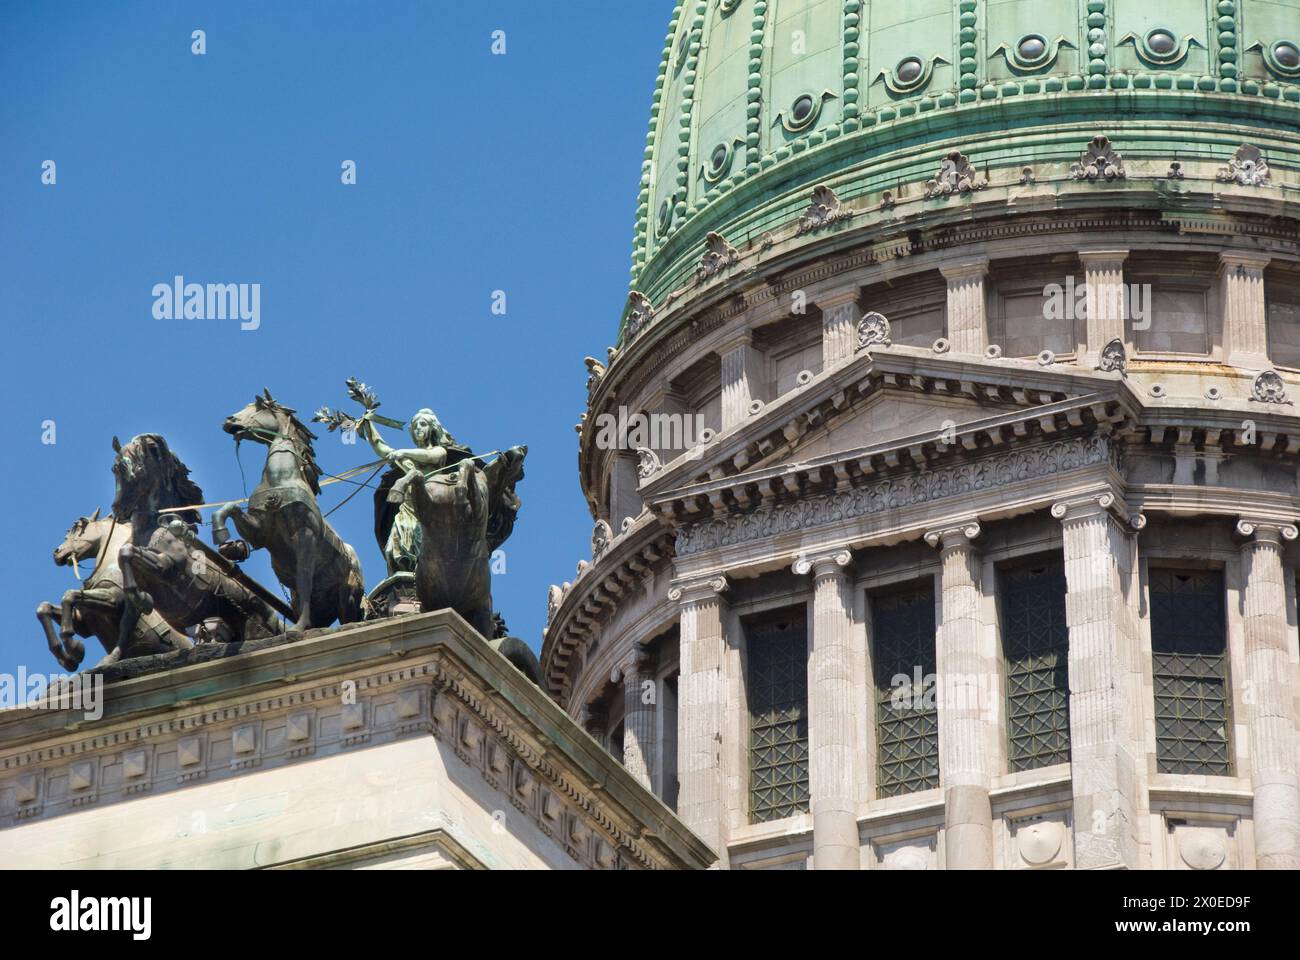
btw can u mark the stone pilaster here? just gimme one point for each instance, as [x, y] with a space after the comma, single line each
[967, 314]
[701, 709]
[965, 679]
[1245, 320]
[1103, 635]
[840, 316]
[639, 744]
[1107, 299]
[594, 718]
[742, 379]
[831, 712]
[1270, 718]
[624, 500]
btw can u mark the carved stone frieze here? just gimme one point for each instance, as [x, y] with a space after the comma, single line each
[955, 481]
[825, 210]
[1247, 167]
[718, 255]
[1100, 161]
[956, 175]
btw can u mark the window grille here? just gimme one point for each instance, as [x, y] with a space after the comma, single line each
[907, 720]
[1035, 645]
[778, 716]
[1189, 667]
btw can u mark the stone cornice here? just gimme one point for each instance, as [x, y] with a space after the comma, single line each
[595, 593]
[410, 677]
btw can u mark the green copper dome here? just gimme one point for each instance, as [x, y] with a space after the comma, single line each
[760, 101]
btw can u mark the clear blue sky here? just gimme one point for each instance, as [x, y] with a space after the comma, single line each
[475, 173]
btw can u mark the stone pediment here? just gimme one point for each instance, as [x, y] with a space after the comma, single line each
[873, 398]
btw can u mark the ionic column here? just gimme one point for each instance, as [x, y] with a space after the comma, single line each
[967, 320]
[1245, 319]
[1107, 299]
[1103, 633]
[831, 714]
[639, 745]
[701, 703]
[840, 316]
[1270, 718]
[742, 373]
[964, 762]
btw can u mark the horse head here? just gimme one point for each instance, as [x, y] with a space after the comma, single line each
[267, 421]
[83, 539]
[150, 477]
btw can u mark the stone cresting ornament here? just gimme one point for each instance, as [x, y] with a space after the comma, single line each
[321, 572]
[1099, 162]
[1247, 167]
[1113, 357]
[718, 256]
[639, 315]
[873, 329]
[649, 463]
[601, 535]
[825, 210]
[595, 372]
[1269, 387]
[956, 175]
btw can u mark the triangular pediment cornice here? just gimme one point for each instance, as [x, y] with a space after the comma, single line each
[777, 431]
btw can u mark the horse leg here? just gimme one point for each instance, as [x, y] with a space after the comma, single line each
[75, 649]
[48, 615]
[305, 554]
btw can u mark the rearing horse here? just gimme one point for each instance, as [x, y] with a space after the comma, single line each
[97, 607]
[322, 572]
[163, 567]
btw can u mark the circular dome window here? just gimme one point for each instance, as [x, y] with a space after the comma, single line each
[1031, 49]
[665, 216]
[909, 70]
[802, 109]
[1287, 54]
[1162, 44]
[719, 157]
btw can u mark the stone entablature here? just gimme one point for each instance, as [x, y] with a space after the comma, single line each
[422, 683]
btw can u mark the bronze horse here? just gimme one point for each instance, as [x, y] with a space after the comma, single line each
[466, 511]
[163, 567]
[322, 571]
[97, 607]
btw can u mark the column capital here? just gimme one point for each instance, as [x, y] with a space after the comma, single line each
[1256, 531]
[594, 717]
[637, 662]
[1094, 504]
[836, 298]
[823, 564]
[743, 337]
[1245, 259]
[966, 268]
[699, 588]
[958, 534]
[1099, 255]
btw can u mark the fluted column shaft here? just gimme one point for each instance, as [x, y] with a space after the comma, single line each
[1270, 717]
[1107, 299]
[1245, 320]
[741, 380]
[701, 710]
[1103, 631]
[831, 714]
[840, 316]
[965, 680]
[967, 313]
[639, 705]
